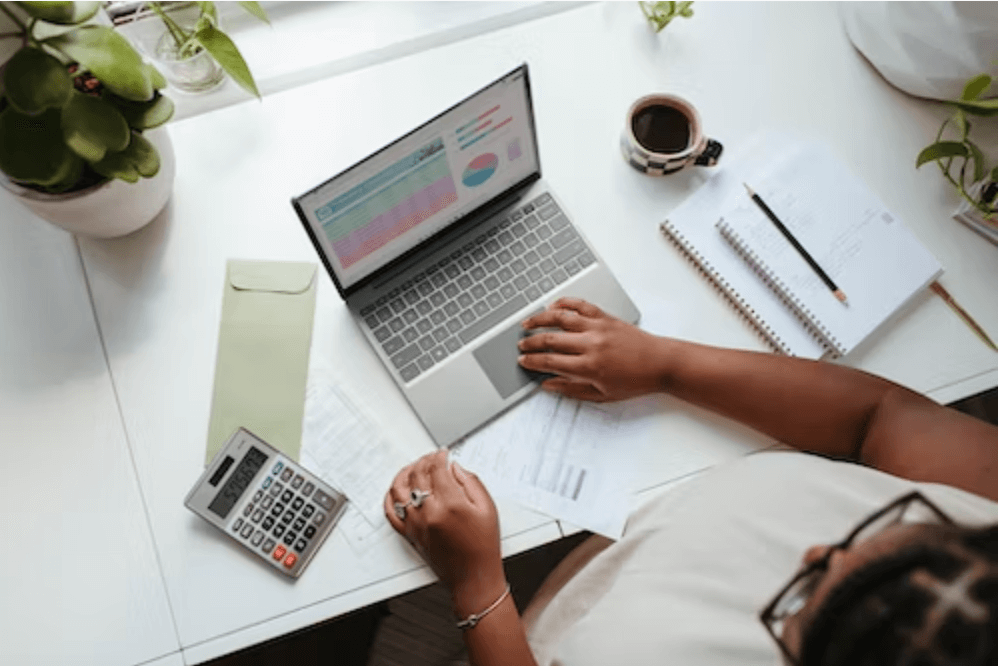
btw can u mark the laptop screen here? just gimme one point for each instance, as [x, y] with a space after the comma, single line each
[390, 202]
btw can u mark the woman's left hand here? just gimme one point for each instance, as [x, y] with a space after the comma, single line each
[455, 529]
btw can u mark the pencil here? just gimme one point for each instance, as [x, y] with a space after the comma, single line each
[941, 292]
[838, 293]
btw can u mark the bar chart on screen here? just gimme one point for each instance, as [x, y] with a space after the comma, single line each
[388, 204]
[481, 127]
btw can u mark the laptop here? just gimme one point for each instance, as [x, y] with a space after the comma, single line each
[443, 242]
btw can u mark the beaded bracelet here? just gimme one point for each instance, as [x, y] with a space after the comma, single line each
[475, 618]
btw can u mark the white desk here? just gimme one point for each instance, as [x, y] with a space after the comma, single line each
[79, 576]
[157, 293]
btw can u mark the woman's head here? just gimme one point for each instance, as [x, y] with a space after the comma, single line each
[918, 594]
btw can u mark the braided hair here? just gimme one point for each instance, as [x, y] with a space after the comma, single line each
[930, 603]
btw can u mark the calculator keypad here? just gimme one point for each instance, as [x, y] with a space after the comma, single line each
[267, 502]
[282, 518]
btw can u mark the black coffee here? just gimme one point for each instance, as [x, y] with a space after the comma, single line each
[661, 129]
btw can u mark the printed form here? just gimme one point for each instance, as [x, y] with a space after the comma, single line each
[555, 455]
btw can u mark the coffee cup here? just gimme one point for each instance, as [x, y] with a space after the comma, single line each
[664, 134]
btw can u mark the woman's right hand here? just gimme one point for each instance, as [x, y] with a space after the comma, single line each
[597, 356]
[455, 529]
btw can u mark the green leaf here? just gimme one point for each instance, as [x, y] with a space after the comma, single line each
[980, 107]
[61, 13]
[940, 150]
[68, 177]
[34, 81]
[144, 115]
[222, 49]
[139, 160]
[256, 10]
[203, 22]
[31, 147]
[979, 160]
[117, 165]
[156, 77]
[110, 58]
[93, 127]
[994, 174]
[209, 10]
[975, 87]
[962, 126]
[143, 155]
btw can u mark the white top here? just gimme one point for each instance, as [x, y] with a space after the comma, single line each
[696, 565]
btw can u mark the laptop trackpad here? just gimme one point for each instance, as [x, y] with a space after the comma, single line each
[497, 357]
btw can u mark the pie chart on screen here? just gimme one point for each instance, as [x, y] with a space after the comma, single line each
[480, 169]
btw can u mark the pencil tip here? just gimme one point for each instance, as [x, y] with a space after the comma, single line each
[839, 294]
[749, 190]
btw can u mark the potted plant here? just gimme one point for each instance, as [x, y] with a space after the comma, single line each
[190, 47]
[963, 163]
[78, 112]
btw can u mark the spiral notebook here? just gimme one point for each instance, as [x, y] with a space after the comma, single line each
[865, 248]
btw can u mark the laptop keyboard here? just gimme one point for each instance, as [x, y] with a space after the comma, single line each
[436, 312]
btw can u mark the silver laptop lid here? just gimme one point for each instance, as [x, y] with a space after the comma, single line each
[390, 204]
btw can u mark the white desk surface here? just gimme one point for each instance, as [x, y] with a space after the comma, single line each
[79, 575]
[157, 293]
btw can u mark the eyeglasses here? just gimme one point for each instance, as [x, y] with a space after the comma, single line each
[910, 508]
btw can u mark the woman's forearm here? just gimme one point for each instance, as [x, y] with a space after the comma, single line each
[837, 411]
[810, 405]
[813, 406]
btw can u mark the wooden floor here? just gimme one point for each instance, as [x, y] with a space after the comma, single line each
[417, 629]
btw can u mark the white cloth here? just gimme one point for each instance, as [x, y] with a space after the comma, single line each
[695, 566]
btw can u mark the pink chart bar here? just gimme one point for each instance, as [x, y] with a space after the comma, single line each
[462, 128]
[487, 132]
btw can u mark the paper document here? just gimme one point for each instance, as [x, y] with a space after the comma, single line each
[359, 533]
[555, 455]
[344, 447]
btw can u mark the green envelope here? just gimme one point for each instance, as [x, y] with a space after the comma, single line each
[263, 347]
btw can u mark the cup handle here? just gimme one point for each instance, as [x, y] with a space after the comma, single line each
[711, 153]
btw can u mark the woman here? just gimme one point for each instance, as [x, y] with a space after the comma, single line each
[697, 568]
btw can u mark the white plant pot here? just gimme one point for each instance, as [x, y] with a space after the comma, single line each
[110, 209]
[927, 49]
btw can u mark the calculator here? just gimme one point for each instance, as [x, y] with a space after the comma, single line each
[268, 503]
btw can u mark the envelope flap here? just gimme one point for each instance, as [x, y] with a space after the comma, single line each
[284, 277]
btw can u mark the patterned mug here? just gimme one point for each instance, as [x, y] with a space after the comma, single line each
[664, 134]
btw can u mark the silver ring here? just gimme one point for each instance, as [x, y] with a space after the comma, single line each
[418, 496]
[400, 509]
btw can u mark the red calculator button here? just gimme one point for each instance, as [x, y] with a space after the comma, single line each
[279, 552]
[290, 560]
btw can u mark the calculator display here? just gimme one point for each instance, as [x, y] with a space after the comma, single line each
[238, 482]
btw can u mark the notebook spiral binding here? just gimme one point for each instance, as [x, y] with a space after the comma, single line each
[746, 311]
[800, 310]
